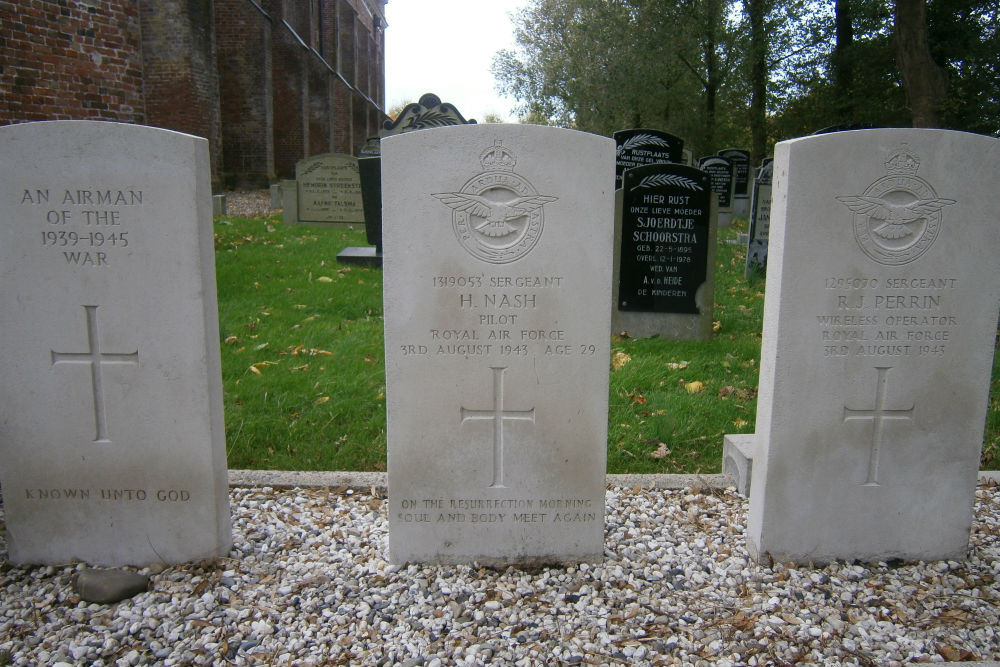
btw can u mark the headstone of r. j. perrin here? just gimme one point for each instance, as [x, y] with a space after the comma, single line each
[497, 284]
[112, 444]
[883, 284]
[664, 253]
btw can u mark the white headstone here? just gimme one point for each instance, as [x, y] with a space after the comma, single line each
[112, 444]
[326, 190]
[879, 325]
[497, 283]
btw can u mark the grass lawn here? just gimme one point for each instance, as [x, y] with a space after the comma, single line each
[304, 376]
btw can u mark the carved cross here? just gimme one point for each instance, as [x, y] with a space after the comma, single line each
[498, 415]
[95, 359]
[877, 415]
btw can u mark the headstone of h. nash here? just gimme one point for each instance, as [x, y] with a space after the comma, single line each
[497, 280]
[636, 147]
[664, 253]
[326, 191]
[112, 443]
[429, 112]
[740, 160]
[883, 285]
[720, 170]
[760, 220]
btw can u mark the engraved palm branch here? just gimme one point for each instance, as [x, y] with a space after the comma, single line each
[894, 219]
[497, 214]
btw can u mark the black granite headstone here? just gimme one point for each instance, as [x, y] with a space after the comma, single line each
[665, 238]
[721, 171]
[636, 148]
[429, 112]
[741, 170]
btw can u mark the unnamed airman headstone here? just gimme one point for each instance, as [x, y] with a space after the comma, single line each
[880, 319]
[497, 284]
[112, 443]
[636, 147]
[665, 242]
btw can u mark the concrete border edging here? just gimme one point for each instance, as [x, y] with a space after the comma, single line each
[365, 480]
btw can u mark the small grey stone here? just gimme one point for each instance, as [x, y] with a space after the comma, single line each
[109, 586]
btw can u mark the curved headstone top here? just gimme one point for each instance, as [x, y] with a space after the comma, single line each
[429, 112]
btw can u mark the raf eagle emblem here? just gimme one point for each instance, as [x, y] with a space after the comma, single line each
[497, 214]
[892, 221]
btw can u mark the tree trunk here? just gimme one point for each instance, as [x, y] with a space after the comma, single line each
[757, 10]
[924, 82]
[843, 66]
[713, 19]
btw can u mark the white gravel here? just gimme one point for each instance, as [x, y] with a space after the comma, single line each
[307, 584]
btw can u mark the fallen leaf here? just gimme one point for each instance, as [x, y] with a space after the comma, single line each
[324, 279]
[619, 359]
[303, 367]
[255, 370]
[661, 452]
[370, 358]
[232, 340]
[321, 399]
[693, 387]
[637, 398]
[740, 423]
[716, 325]
[677, 365]
[953, 654]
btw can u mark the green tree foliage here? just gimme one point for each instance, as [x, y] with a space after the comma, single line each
[744, 72]
[964, 39]
[605, 65]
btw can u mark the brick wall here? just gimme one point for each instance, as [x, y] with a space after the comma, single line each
[70, 60]
[180, 75]
[243, 52]
[267, 82]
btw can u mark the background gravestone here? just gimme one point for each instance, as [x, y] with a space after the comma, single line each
[497, 281]
[430, 112]
[760, 220]
[635, 148]
[879, 331]
[720, 170]
[112, 442]
[665, 242]
[327, 190]
[740, 160]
